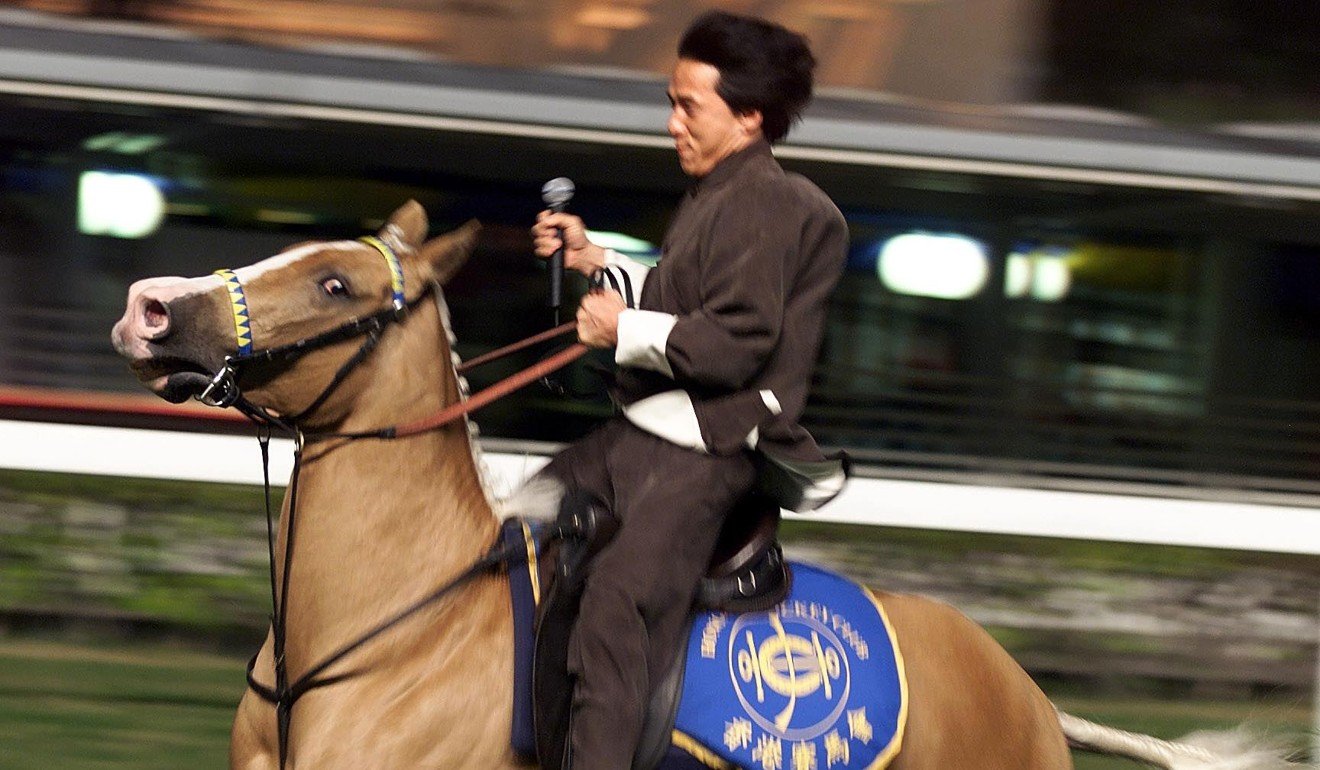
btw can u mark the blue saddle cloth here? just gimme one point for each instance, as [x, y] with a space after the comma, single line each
[815, 683]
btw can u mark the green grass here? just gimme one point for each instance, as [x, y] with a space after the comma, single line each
[73, 706]
[65, 706]
[188, 561]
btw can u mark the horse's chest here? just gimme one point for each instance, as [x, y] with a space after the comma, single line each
[429, 724]
[443, 707]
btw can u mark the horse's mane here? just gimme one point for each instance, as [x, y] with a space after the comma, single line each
[539, 497]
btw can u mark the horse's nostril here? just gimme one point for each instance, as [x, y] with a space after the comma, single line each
[156, 317]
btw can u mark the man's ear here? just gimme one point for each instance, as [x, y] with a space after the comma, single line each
[750, 122]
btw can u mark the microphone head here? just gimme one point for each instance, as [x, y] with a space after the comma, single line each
[557, 193]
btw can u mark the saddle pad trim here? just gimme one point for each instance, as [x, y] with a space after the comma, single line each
[895, 743]
[533, 568]
[699, 752]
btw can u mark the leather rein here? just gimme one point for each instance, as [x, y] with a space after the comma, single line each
[224, 391]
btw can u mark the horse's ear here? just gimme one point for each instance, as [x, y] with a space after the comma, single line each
[407, 226]
[447, 253]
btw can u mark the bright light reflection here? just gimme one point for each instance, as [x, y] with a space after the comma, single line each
[121, 205]
[1052, 279]
[943, 266]
[1043, 273]
[1017, 275]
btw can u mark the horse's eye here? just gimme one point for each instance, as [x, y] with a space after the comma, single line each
[334, 287]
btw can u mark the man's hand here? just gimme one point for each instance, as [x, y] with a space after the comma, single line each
[580, 254]
[598, 318]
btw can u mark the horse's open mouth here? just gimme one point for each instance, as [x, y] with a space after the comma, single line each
[174, 379]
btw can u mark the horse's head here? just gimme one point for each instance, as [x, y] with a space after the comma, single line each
[303, 312]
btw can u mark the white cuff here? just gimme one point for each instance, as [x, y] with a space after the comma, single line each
[820, 492]
[669, 415]
[616, 259]
[771, 403]
[643, 336]
[636, 271]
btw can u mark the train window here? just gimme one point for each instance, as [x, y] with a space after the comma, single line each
[1109, 341]
[984, 323]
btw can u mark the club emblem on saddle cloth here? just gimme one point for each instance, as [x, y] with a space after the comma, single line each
[814, 684]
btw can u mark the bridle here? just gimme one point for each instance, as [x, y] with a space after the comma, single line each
[224, 390]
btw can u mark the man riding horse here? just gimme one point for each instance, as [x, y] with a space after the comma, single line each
[715, 357]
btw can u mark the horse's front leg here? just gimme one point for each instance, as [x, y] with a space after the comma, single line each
[254, 741]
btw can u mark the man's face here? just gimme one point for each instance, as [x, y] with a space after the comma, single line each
[705, 130]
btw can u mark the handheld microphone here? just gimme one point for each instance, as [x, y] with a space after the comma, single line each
[556, 194]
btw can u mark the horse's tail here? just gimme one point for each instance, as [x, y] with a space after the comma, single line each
[1232, 750]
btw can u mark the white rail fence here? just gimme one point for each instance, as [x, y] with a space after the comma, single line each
[871, 501]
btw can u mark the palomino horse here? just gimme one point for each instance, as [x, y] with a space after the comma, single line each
[381, 523]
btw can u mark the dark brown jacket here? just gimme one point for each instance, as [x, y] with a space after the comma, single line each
[747, 267]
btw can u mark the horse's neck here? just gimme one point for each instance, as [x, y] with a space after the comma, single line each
[379, 524]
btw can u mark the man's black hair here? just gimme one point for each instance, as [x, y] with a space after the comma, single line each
[762, 66]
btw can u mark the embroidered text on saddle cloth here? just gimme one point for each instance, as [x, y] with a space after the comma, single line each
[815, 684]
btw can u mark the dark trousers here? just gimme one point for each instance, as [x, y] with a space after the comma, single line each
[670, 502]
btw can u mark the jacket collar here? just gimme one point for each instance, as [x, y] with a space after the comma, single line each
[729, 167]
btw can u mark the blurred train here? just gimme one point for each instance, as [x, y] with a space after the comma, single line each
[1038, 299]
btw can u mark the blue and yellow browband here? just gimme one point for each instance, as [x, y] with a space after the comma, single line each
[396, 269]
[239, 307]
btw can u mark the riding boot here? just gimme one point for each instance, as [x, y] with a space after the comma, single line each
[584, 527]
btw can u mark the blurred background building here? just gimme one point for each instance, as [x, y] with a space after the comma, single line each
[1188, 61]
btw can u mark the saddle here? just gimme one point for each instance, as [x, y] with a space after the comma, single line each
[747, 573]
